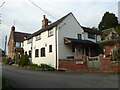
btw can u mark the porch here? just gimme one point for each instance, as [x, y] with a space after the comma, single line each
[81, 47]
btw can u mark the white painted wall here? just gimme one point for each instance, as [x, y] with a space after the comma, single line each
[71, 29]
[26, 46]
[50, 58]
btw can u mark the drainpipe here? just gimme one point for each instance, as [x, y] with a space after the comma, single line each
[31, 49]
[56, 47]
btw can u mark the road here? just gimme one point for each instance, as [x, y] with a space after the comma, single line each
[23, 78]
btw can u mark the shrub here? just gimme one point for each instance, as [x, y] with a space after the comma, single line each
[116, 54]
[47, 67]
[24, 60]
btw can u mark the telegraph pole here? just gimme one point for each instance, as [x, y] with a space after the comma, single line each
[5, 44]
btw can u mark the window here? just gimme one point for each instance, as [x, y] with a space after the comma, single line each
[92, 36]
[38, 37]
[79, 36]
[30, 54]
[50, 33]
[73, 49]
[50, 48]
[29, 41]
[18, 44]
[25, 52]
[42, 52]
[37, 53]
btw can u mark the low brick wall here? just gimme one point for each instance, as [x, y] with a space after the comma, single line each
[109, 66]
[72, 65]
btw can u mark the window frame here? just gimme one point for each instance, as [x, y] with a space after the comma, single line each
[30, 53]
[43, 52]
[79, 36]
[18, 44]
[91, 36]
[29, 41]
[50, 32]
[50, 48]
[38, 37]
[36, 53]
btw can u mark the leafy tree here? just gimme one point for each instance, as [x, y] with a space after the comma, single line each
[109, 20]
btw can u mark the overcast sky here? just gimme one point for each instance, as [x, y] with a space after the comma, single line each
[28, 17]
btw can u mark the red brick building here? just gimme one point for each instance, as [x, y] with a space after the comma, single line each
[15, 43]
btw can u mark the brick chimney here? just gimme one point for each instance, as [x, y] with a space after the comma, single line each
[44, 21]
[13, 29]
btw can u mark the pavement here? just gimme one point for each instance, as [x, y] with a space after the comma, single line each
[24, 78]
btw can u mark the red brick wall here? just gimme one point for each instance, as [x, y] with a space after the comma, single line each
[70, 65]
[106, 65]
[10, 45]
[108, 49]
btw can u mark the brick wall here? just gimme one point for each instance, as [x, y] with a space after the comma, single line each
[106, 65]
[10, 45]
[70, 65]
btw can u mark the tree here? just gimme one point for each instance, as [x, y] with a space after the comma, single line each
[109, 20]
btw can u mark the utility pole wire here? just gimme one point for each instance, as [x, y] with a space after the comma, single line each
[2, 4]
[42, 9]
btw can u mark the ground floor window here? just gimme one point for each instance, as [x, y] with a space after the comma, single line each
[30, 53]
[50, 48]
[42, 52]
[37, 53]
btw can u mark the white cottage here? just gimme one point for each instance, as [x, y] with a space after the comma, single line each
[62, 39]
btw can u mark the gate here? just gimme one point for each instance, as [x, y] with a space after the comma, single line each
[93, 62]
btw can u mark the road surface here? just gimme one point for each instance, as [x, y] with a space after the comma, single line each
[23, 78]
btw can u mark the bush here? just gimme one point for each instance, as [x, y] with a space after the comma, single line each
[24, 60]
[47, 67]
[116, 54]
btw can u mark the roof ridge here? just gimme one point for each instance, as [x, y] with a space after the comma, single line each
[22, 32]
[49, 26]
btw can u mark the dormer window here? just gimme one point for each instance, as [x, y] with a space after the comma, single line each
[50, 32]
[79, 36]
[91, 36]
[38, 37]
[18, 44]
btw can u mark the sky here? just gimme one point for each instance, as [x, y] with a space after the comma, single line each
[26, 17]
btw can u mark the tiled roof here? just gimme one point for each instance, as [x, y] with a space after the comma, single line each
[90, 30]
[49, 26]
[19, 36]
[79, 41]
[56, 23]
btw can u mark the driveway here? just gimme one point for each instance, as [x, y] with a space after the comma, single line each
[23, 78]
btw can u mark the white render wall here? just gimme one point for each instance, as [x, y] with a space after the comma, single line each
[70, 29]
[50, 58]
[26, 46]
[45, 41]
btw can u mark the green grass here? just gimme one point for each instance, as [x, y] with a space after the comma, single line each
[42, 67]
[6, 85]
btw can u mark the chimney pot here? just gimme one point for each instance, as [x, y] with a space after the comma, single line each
[13, 28]
[44, 21]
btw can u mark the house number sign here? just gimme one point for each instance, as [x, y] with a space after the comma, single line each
[79, 62]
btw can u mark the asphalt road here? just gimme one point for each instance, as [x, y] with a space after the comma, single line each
[22, 78]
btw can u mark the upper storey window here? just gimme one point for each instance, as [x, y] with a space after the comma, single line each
[91, 36]
[50, 33]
